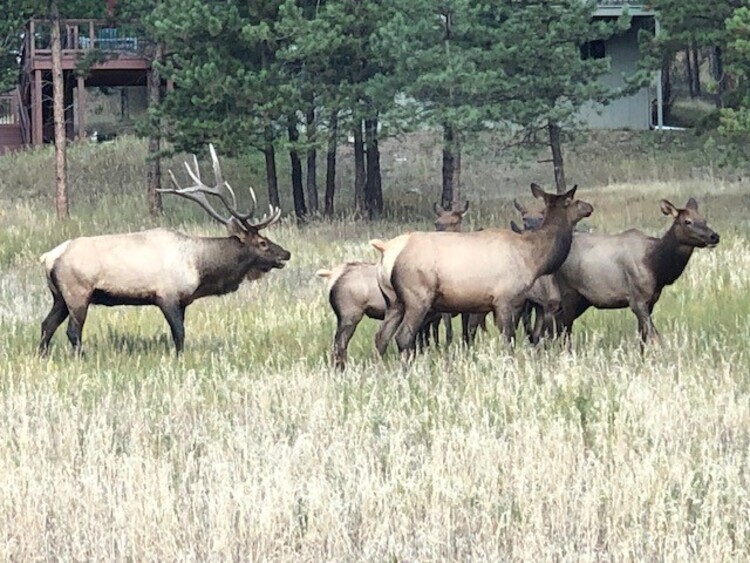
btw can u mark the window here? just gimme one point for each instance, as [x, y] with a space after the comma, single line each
[593, 50]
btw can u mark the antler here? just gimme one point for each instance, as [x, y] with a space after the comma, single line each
[197, 193]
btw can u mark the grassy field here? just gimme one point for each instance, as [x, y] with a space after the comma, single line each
[250, 447]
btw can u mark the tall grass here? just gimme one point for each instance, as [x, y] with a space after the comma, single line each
[250, 447]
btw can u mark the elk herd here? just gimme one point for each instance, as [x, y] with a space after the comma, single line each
[544, 273]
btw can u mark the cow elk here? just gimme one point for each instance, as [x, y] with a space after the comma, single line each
[160, 267]
[630, 269]
[475, 272]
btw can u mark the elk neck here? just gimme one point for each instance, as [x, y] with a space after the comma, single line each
[551, 244]
[668, 258]
[222, 264]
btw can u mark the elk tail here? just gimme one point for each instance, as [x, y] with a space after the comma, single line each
[49, 257]
[324, 273]
[378, 245]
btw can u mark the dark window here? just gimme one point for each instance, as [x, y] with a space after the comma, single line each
[593, 50]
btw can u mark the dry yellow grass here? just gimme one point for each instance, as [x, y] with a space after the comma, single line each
[251, 448]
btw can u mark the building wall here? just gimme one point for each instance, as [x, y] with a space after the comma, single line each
[631, 112]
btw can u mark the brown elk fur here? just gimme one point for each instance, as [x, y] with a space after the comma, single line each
[630, 269]
[158, 267]
[476, 272]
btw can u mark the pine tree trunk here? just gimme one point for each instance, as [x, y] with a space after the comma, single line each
[298, 193]
[718, 72]
[666, 91]
[359, 168]
[269, 152]
[689, 72]
[555, 145]
[456, 199]
[153, 176]
[374, 184]
[331, 162]
[446, 197]
[61, 187]
[312, 155]
[696, 72]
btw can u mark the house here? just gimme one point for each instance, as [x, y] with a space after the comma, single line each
[641, 110]
[116, 59]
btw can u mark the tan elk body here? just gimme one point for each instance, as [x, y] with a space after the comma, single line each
[158, 267]
[630, 269]
[475, 272]
[354, 293]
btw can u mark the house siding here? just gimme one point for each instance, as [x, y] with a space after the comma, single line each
[632, 111]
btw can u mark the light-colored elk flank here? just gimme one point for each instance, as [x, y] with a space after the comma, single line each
[630, 269]
[475, 272]
[353, 293]
[447, 220]
[159, 267]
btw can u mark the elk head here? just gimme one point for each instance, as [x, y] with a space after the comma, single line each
[690, 227]
[564, 206]
[448, 219]
[267, 254]
[531, 220]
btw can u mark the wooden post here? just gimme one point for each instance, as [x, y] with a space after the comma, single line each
[36, 109]
[32, 40]
[81, 109]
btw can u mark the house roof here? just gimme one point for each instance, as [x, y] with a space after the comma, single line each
[616, 7]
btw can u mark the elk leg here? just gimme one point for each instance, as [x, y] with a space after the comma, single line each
[75, 325]
[175, 315]
[528, 328]
[344, 332]
[470, 322]
[407, 330]
[506, 320]
[448, 322]
[646, 328]
[393, 318]
[52, 321]
[539, 324]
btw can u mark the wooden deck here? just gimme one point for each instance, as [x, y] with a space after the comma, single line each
[112, 56]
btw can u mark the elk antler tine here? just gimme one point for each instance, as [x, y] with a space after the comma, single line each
[252, 195]
[195, 175]
[231, 193]
[217, 167]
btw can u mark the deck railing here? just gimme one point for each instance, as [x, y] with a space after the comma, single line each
[12, 112]
[85, 35]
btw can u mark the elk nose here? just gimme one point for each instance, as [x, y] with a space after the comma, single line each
[714, 238]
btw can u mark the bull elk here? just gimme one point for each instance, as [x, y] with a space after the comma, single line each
[476, 272]
[160, 267]
[630, 269]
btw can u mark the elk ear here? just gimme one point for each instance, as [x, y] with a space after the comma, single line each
[515, 228]
[571, 193]
[520, 208]
[436, 208]
[692, 204]
[538, 192]
[669, 209]
[235, 229]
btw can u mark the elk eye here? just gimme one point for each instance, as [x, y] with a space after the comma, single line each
[263, 244]
[688, 222]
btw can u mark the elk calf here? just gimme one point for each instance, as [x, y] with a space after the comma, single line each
[630, 269]
[159, 267]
